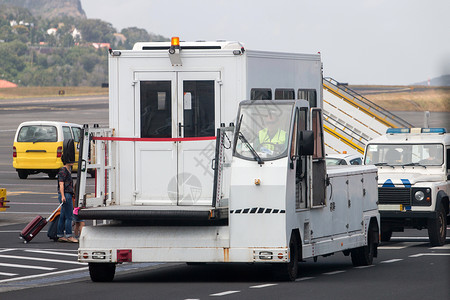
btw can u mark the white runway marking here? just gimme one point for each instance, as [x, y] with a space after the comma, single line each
[430, 254]
[334, 272]
[51, 252]
[7, 274]
[263, 285]
[224, 293]
[391, 261]
[43, 275]
[43, 259]
[26, 267]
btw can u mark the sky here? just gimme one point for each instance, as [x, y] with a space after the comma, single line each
[385, 42]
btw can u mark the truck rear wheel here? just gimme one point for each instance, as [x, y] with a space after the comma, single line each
[363, 256]
[437, 228]
[102, 272]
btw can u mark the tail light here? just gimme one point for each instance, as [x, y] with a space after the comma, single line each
[14, 152]
[59, 151]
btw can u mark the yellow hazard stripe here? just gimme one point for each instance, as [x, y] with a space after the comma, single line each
[336, 93]
[343, 139]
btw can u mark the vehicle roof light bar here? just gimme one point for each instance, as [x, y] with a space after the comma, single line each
[415, 130]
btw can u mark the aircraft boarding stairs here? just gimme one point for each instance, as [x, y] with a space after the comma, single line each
[351, 120]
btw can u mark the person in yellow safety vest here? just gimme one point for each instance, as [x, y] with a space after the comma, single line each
[272, 136]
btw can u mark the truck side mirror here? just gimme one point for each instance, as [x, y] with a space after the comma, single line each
[306, 142]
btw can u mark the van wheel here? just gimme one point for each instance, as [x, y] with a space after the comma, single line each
[102, 272]
[52, 174]
[437, 228]
[363, 256]
[23, 174]
[386, 235]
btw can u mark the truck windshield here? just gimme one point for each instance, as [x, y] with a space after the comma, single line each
[266, 128]
[405, 154]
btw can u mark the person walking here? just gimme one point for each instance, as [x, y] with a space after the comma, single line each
[65, 192]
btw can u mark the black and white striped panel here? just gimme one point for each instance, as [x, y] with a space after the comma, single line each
[257, 210]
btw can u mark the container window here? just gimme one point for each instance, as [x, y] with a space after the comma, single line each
[261, 94]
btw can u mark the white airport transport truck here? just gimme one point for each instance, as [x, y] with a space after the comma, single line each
[181, 179]
[413, 180]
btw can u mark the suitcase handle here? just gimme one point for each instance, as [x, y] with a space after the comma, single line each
[54, 212]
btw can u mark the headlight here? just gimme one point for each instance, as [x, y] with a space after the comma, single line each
[419, 195]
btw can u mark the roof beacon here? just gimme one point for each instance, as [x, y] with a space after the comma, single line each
[174, 52]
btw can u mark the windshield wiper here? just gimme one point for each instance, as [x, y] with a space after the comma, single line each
[381, 164]
[245, 141]
[414, 164]
[252, 150]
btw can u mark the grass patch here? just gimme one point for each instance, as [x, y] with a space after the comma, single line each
[50, 91]
[408, 98]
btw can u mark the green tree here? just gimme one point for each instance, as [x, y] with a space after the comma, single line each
[94, 30]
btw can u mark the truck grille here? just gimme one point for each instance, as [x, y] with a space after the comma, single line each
[393, 195]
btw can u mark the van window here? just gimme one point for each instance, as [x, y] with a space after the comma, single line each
[284, 94]
[261, 94]
[309, 95]
[76, 134]
[67, 133]
[37, 133]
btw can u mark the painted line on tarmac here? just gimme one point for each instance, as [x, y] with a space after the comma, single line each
[263, 285]
[8, 274]
[334, 272]
[43, 259]
[45, 274]
[365, 267]
[304, 278]
[26, 267]
[444, 247]
[224, 293]
[51, 252]
[429, 254]
[391, 261]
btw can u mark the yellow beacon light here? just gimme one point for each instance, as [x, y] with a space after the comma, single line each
[175, 41]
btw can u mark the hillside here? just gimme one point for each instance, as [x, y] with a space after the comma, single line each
[50, 8]
[443, 80]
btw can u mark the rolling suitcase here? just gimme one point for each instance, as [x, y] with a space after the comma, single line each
[35, 226]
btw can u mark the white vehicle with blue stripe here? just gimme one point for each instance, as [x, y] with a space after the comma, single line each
[413, 180]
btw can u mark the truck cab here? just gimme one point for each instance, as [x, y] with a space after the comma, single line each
[413, 180]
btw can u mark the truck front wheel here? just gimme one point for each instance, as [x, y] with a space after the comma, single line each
[102, 272]
[437, 228]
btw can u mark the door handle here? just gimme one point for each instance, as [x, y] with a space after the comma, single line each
[179, 128]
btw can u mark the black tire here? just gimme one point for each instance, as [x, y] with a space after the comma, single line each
[52, 174]
[386, 235]
[289, 271]
[23, 174]
[437, 228]
[102, 272]
[363, 256]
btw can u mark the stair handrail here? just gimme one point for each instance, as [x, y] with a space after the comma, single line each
[367, 102]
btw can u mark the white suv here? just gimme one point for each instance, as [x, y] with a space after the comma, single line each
[413, 180]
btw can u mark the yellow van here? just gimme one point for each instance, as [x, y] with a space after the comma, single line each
[38, 147]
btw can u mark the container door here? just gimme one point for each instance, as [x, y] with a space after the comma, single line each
[155, 127]
[177, 116]
[198, 118]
